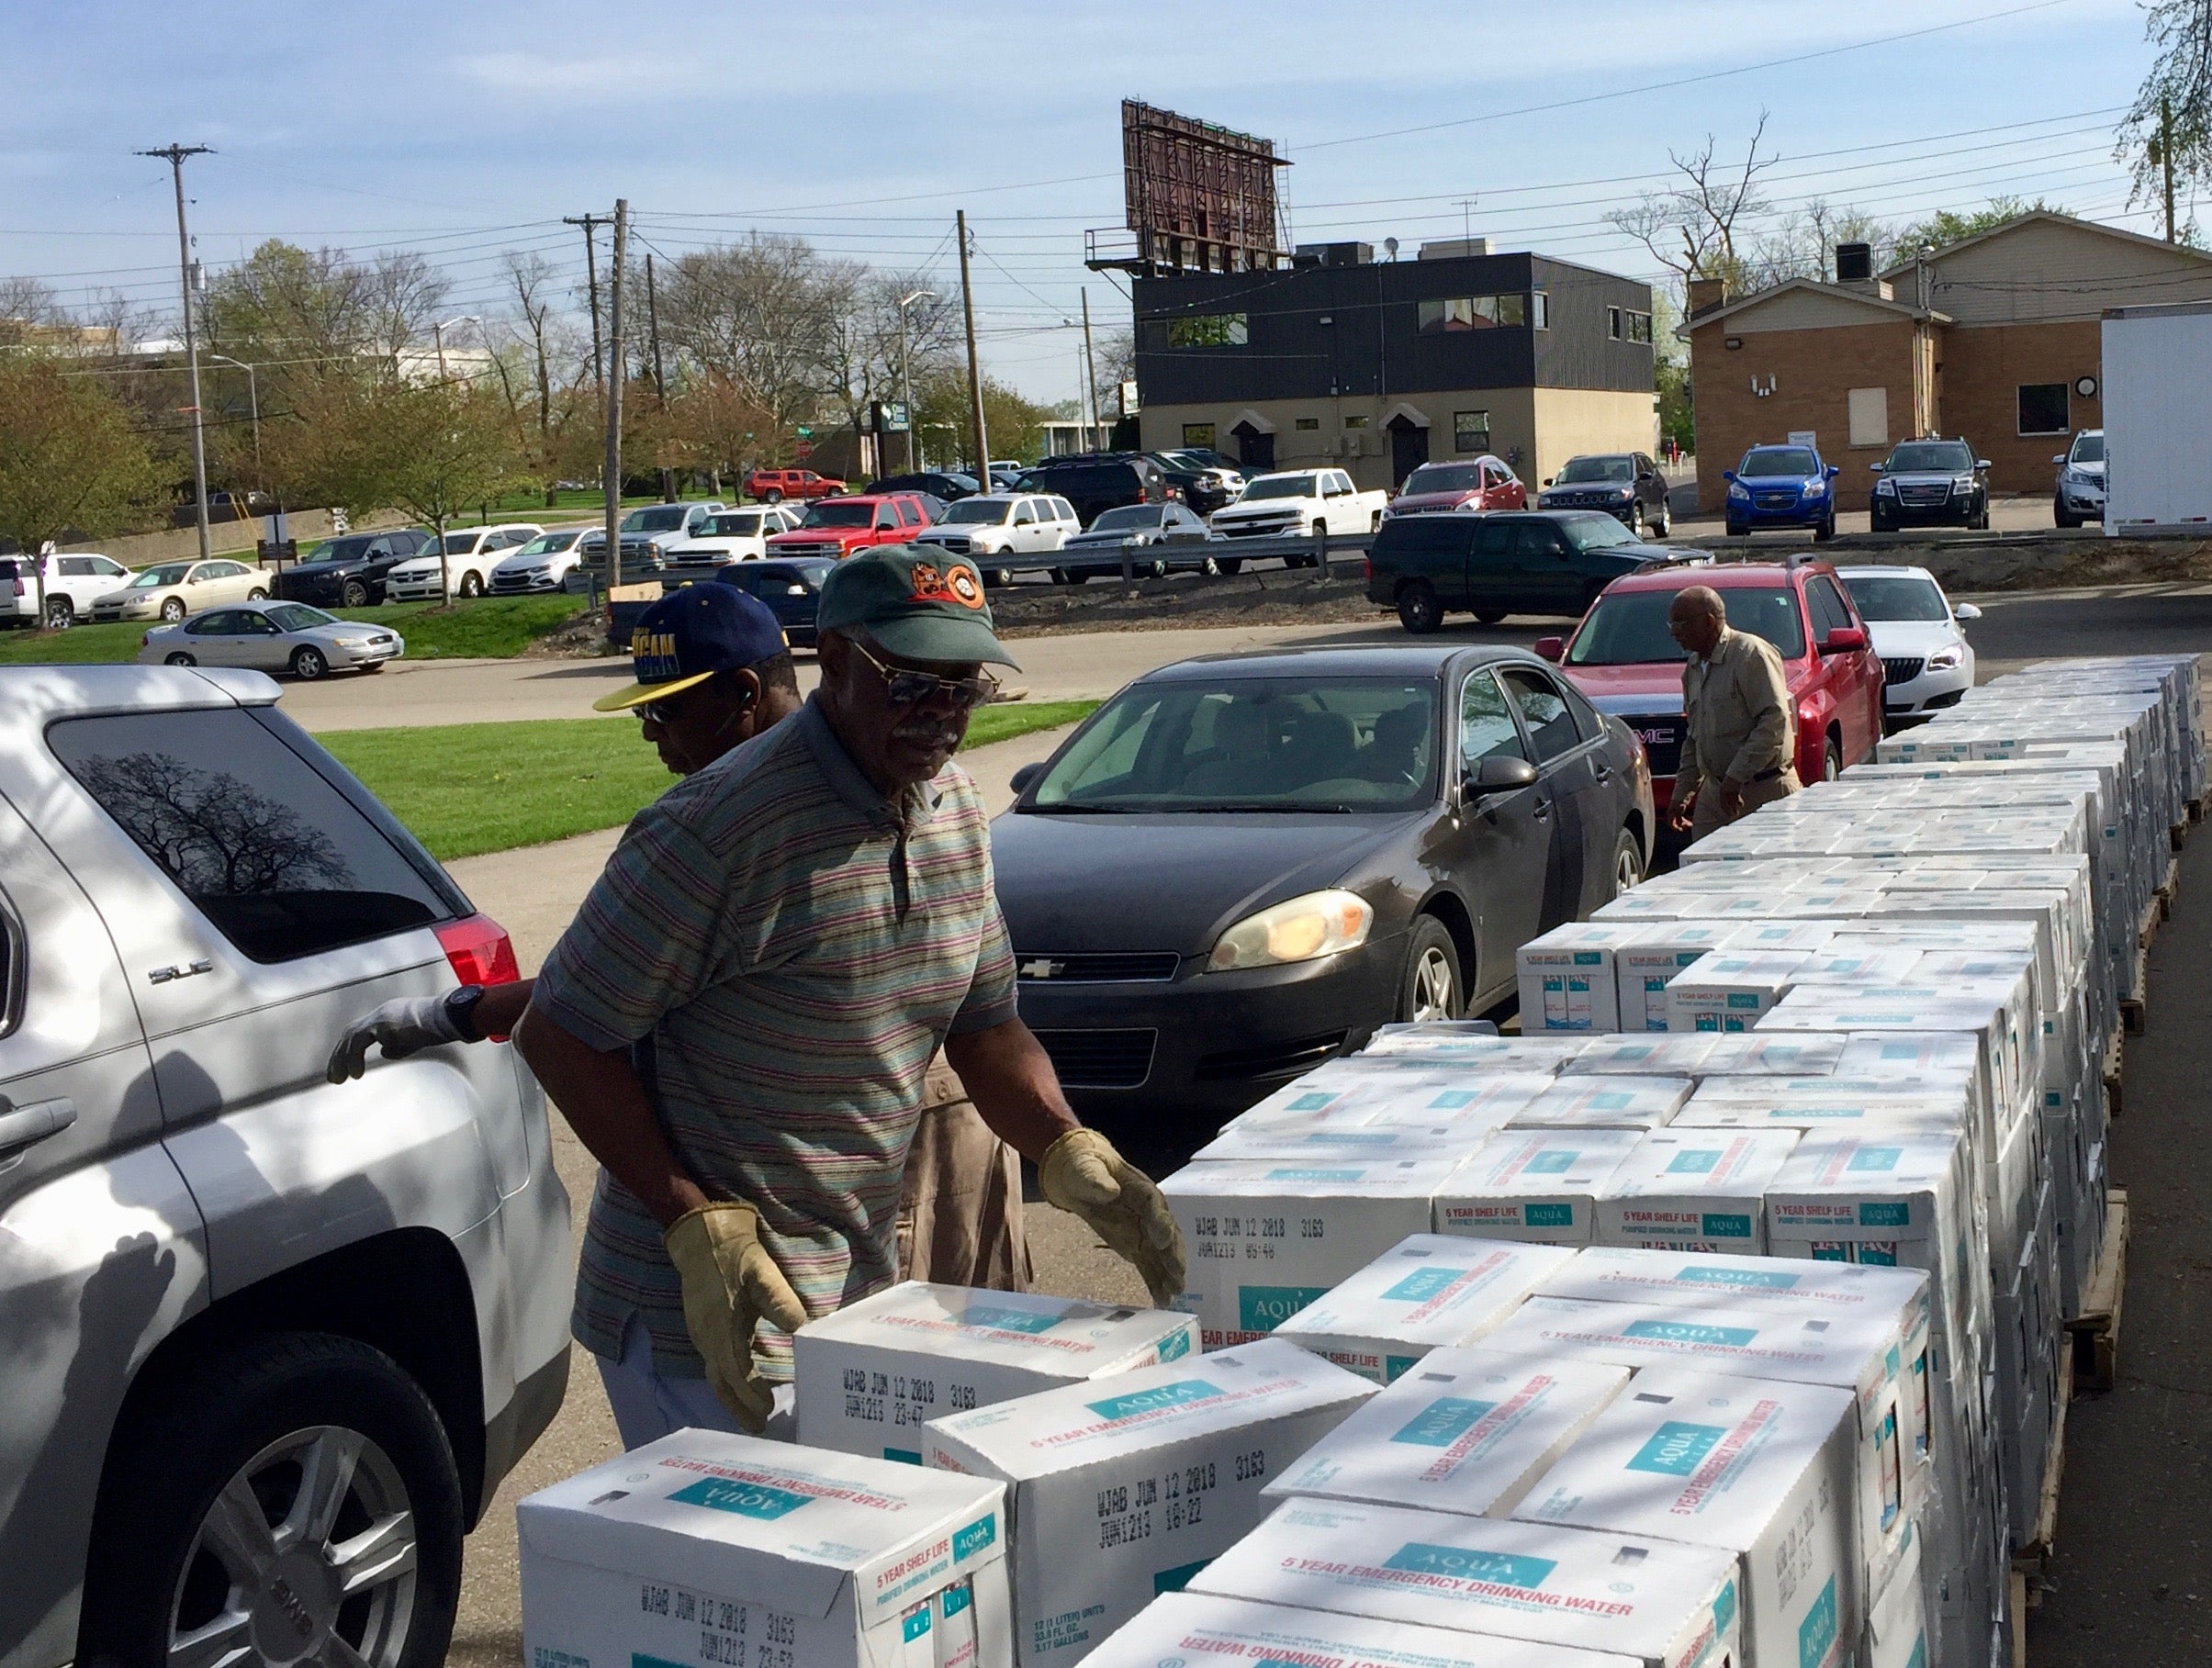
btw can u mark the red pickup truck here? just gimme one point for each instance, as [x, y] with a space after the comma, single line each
[1622, 658]
[837, 527]
[773, 486]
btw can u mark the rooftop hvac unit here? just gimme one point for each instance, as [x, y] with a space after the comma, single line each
[1453, 249]
[1854, 262]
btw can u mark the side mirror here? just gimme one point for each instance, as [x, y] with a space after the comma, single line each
[1500, 775]
[1727, 474]
[1878, 468]
[1019, 781]
[2059, 460]
[1835, 470]
[1965, 612]
[1550, 648]
[1981, 464]
[1843, 639]
[1547, 480]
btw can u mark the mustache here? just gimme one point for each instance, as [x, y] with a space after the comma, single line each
[929, 732]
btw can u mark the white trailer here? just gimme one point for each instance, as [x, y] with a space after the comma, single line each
[2158, 416]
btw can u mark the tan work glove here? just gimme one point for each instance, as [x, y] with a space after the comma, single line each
[730, 1285]
[1082, 1173]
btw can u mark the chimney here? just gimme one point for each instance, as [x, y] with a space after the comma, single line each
[1705, 294]
[1855, 270]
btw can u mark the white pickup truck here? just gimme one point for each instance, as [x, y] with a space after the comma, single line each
[1301, 503]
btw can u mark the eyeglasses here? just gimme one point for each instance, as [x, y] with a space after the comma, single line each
[906, 689]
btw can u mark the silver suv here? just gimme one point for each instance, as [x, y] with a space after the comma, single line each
[270, 1345]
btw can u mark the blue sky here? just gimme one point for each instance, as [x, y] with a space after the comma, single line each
[465, 129]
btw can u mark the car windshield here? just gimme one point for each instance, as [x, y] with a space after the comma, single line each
[1128, 517]
[840, 514]
[548, 544]
[1945, 457]
[1628, 628]
[1896, 597]
[978, 512]
[731, 526]
[168, 573]
[461, 543]
[1282, 486]
[343, 550]
[2087, 449]
[1443, 477]
[1595, 532]
[298, 616]
[1251, 744]
[660, 518]
[1777, 460]
[1582, 470]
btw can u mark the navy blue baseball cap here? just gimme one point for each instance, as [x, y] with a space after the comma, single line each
[689, 635]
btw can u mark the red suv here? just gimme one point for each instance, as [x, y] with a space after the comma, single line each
[1475, 483]
[773, 486]
[1623, 659]
[837, 527]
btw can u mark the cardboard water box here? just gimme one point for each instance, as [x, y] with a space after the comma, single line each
[1659, 951]
[1350, 1089]
[1829, 1104]
[711, 1549]
[1764, 1469]
[1663, 1054]
[1780, 937]
[1863, 962]
[1469, 1430]
[1533, 1185]
[1452, 1133]
[1568, 978]
[1425, 1292]
[1654, 1600]
[1739, 1053]
[868, 1376]
[1994, 1094]
[1467, 1042]
[1195, 1630]
[1604, 1103]
[1122, 1490]
[1897, 1627]
[1729, 993]
[1264, 1239]
[1693, 1190]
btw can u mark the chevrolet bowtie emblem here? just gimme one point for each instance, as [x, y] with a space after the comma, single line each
[1038, 969]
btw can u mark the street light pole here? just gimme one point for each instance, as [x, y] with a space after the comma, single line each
[174, 155]
[913, 433]
[254, 405]
[975, 369]
[437, 331]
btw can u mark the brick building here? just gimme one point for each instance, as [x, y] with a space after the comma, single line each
[2003, 352]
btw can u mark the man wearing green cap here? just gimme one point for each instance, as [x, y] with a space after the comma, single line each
[785, 939]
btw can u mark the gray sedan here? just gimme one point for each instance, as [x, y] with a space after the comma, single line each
[273, 637]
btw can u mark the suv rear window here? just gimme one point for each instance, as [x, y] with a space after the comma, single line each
[270, 848]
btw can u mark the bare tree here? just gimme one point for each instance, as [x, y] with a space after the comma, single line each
[1114, 357]
[27, 310]
[1803, 245]
[288, 304]
[861, 337]
[406, 293]
[2171, 121]
[1690, 228]
[759, 314]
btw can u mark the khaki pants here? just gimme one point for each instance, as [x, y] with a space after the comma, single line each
[1707, 816]
[959, 1211]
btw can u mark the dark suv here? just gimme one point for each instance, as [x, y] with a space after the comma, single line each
[1098, 481]
[1626, 484]
[1930, 483]
[348, 572]
[1513, 562]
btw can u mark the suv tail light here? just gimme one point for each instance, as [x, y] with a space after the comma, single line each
[480, 950]
[22, 588]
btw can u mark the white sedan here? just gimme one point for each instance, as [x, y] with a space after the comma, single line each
[733, 536]
[273, 637]
[1927, 662]
[471, 553]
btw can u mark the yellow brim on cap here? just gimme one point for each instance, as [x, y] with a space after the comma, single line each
[637, 694]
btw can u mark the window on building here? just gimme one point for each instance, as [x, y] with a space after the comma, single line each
[1308, 425]
[1472, 313]
[1470, 432]
[1869, 416]
[1540, 310]
[1639, 326]
[1207, 330]
[2043, 408]
[1198, 434]
[1612, 322]
[1359, 421]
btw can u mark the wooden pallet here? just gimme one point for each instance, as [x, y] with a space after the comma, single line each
[2135, 1010]
[2110, 1071]
[2167, 889]
[2033, 1560]
[2096, 1332]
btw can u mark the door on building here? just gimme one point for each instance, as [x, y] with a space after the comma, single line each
[1409, 448]
[1255, 450]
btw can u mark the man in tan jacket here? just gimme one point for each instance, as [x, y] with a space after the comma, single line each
[1740, 735]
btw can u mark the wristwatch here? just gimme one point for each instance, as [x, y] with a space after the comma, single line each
[461, 1008]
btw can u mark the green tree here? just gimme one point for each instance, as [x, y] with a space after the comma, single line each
[2170, 120]
[436, 450]
[1942, 229]
[69, 464]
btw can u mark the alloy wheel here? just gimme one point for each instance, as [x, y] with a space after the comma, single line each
[1434, 996]
[307, 1555]
[1628, 873]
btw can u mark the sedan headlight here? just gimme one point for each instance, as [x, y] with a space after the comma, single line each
[1320, 923]
[1816, 489]
[1736, 490]
[1943, 660]
[1885, 489]
[1964, 483]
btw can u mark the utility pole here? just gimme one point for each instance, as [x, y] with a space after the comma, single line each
[975, 369]
[1090, 379]
[2165, 157]
[614, 399]
[174, 155]
[591, 223]
[660, 378]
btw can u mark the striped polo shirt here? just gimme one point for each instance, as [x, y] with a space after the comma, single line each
[783, 949]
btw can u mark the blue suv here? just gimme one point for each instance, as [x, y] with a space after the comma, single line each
[1781, 486]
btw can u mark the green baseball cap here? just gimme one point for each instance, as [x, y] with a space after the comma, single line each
[918, 601]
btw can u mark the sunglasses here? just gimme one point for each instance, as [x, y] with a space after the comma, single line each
[905, 689]
[668, 711]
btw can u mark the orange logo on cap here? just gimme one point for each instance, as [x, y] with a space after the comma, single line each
[959, 586]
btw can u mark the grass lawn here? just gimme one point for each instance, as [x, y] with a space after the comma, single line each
[468, 788]
[489, 628]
